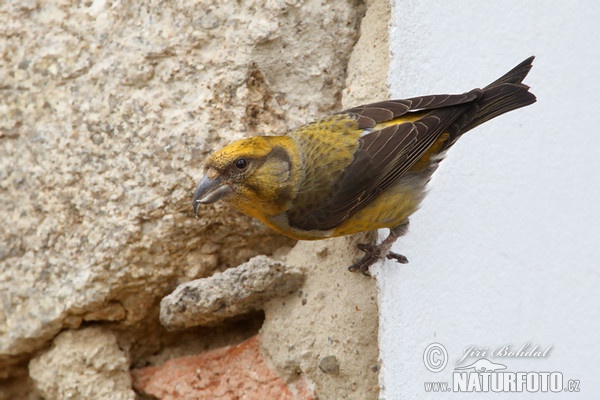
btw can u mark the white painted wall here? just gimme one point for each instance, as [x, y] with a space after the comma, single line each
[506, 248]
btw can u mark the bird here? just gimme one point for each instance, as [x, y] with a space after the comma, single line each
[361, 169]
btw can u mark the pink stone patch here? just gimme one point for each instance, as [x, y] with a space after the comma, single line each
[232, 372]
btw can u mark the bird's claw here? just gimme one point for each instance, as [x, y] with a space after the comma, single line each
[364, 263]
[398, 257]
[373, 254]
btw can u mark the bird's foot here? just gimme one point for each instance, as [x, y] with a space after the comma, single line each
[373, 254]
[367, 260]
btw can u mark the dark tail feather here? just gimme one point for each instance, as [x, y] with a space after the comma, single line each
[503, 95]
[515, 75]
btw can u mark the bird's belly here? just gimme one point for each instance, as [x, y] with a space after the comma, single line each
[389, 209]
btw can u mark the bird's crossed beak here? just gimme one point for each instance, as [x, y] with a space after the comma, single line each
[209, 190]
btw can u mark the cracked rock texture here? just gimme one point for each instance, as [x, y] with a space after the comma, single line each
[107, 112]
[227, 294]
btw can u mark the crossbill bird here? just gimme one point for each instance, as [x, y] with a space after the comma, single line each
[362, 169]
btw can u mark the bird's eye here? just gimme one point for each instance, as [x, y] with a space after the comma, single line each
[241, 163]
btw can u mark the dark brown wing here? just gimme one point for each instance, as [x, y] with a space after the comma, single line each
[383, 155]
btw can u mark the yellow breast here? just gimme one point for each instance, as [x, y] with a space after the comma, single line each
[388, 210]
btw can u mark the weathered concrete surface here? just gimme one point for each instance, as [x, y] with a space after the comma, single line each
[369, 62]
[334, 315]
[234, 292]
[107, 110]
[83, 364]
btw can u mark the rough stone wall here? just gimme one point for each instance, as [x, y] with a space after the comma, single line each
[107, 111]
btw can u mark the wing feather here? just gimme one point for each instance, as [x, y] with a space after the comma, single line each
[384, 154]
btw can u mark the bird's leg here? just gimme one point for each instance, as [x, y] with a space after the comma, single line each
[376, 252]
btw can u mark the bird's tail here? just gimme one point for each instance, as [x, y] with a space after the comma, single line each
[505, 94]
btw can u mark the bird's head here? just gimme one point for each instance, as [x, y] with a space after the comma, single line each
[255, 175]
